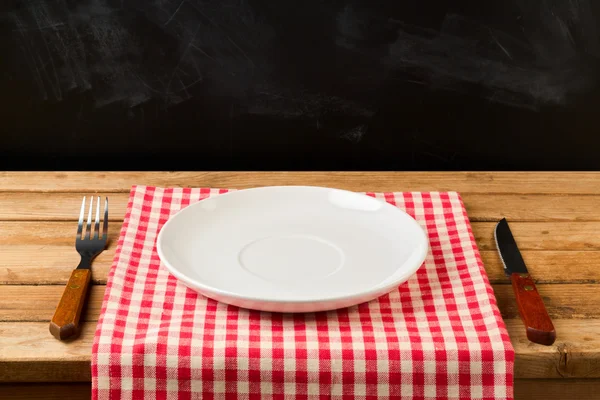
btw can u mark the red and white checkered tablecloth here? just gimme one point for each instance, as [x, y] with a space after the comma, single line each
[438, 336]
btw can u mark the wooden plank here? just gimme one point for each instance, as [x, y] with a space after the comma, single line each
[37, 303]
[525, 389]
[480, 207]
[472, 182]
[47, 233]
[556, 389]
[532, 207]
[46, 391]
[549, 266]
[551, 235]
[52, 265]
[52, 258]
[48, 264]
[44, 252]
[30, 353]
[561, 300]
[54, 206]
[574, 354]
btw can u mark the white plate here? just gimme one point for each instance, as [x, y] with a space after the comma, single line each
[292, 248]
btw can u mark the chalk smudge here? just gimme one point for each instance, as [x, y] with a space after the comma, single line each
[130, 53]
[551, 58]
[138, 51]
[301, 104]
[355, 134]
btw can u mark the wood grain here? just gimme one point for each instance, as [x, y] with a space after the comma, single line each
[532, 207]
[22, 263]
[556, 389]
[47, 233]
[549, 266]
[54, 206]
[47, 264]
[51, 265]
[29, 350]
[525, 389]
[30, 354]
[37, 303]
[573, 355]
[46, 391]
[561, 300]
[480, 207]
[552, 235]
[472, 182]
[50, 260]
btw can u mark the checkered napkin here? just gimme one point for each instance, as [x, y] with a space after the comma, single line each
[438, 336]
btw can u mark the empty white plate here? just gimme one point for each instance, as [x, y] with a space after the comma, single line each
[292, 248]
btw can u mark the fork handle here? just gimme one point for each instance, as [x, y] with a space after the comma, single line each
[65, 322]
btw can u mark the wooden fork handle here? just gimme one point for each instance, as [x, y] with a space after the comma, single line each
[65, 322]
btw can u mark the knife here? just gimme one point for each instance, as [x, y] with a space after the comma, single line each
[531, 306]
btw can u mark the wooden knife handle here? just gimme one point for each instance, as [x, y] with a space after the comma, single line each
[532, 310]
[65, 322]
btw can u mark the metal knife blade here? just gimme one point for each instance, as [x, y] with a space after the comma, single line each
[539, 327]
[509, 252]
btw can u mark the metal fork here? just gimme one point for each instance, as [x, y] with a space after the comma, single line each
[65, 322]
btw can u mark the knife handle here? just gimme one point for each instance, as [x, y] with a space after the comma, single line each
[65, 322]
[532, 310]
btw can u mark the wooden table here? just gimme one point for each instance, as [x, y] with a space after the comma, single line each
[555, 218]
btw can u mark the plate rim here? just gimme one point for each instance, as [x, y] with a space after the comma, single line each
[194, 284]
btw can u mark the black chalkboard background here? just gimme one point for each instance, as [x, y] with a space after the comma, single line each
[264, 84]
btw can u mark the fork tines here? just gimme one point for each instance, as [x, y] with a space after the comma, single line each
[88, 233]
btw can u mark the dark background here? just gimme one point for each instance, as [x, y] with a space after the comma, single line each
[264, 84]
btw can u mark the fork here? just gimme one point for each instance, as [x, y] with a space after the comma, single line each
[65, 322]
